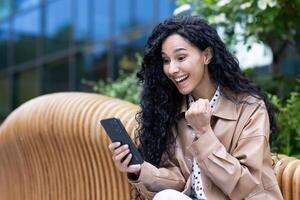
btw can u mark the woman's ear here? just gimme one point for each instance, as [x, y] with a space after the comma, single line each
[208, 54]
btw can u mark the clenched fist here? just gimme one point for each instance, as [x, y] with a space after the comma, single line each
[198, 115]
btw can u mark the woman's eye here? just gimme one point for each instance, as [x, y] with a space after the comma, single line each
[165, 61]
[181, 58]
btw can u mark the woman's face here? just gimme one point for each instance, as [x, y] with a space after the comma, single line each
[185, 64]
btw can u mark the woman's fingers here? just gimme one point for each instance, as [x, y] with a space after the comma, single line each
[208, 108]
[125, 163]
[119, 157]
[125, 167]
[116, 149]
[120, 149]
[198, 107]
[113, 146]
[198, 115]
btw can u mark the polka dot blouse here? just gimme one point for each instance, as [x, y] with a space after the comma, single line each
[197, 185]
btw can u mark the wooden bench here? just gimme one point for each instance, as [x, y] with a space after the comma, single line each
[53, 148]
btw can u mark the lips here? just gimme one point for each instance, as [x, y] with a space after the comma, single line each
[181, 78]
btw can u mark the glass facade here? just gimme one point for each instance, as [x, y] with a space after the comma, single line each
[53, 45]
[5, 9]
[144, 12]
[57, 75]
[4, 38]
[26, 85]
[92, 65]
[24, 4]
[123, 17]
[26, 30]
[82, 28]
[58, 27]
[4, 97]
[101, 20]
[165, 8]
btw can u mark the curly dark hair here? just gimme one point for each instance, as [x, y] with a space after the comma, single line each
[160, 99]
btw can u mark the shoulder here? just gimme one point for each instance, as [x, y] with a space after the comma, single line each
[247, 105]
[252, 116]
[250, 103]
[244, 102]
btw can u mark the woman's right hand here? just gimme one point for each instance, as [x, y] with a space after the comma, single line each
[121, 156]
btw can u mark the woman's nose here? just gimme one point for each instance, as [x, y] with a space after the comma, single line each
[173, 68]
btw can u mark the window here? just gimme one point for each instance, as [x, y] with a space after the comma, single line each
[4, 9]
[122, 16]
[58, 27]
[144, 12]
[140, 41]
[57, 75]
[92, 65]
[23, 4]
[27, 86]
[82, 32]
[4, 37]
[4, 97]
[26, 30]
[101, 19]
[136, 42]
[166, 8]
[126, 51]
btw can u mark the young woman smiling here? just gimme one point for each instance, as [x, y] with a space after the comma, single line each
[203, 126]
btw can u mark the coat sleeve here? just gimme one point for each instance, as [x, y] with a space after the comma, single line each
[152, 179]
[238, 173]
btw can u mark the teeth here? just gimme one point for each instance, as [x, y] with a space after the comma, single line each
[179, 79]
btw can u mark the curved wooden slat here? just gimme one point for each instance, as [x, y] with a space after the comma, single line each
[287, 179]
[296, 183]
[279, 168]
[53, 147]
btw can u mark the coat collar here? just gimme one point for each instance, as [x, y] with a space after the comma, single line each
[225, 108]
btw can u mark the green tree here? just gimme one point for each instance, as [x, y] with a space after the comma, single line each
[288, 118]
[274, 22]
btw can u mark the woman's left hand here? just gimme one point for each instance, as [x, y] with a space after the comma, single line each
[198, 115]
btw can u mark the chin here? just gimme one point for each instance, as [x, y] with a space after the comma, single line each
[185, 89]
[184, 92]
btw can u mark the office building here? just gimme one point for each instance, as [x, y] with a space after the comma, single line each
[52, 45]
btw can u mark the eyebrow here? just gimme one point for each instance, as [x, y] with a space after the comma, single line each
[176, 50]
[179, 49]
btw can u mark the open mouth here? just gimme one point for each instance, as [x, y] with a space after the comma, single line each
[181, 78]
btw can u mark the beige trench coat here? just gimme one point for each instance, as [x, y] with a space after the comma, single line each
[234, 156]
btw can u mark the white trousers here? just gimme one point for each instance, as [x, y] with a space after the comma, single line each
[170, 194]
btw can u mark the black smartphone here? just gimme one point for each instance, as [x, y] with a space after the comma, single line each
[117, 133]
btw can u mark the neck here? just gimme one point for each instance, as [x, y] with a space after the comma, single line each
[205, 91]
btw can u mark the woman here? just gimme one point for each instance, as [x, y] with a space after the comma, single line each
[203, 126]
